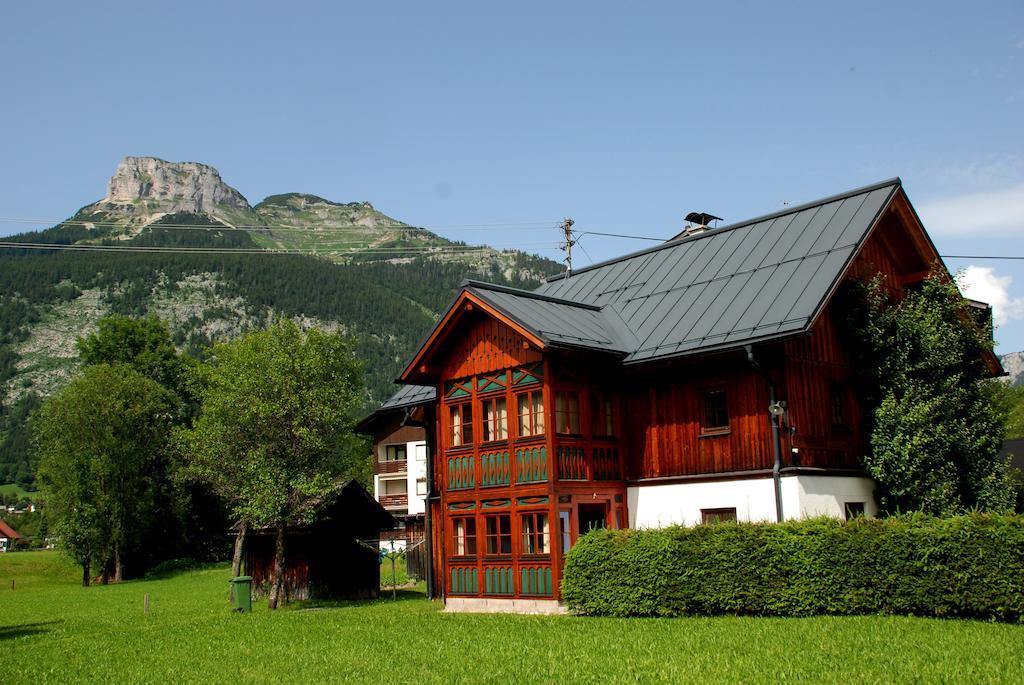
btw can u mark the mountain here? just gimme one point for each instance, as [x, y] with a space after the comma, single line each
[1013, 363]
[212, 265]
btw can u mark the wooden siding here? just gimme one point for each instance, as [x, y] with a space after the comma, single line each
[485, 344]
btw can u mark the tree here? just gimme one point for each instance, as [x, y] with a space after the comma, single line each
[103, 444]
[275, 434]
[935, 432]
[143, 344]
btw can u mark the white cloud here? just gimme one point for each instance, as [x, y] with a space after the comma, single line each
[981, 283]
[988, 212]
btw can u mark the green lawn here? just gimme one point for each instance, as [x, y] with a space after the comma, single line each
[52, 630]
[14, 488]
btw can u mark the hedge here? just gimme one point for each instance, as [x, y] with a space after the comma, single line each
[965, 566]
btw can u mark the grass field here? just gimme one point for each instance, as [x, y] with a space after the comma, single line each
[15, 489]
[52, 630]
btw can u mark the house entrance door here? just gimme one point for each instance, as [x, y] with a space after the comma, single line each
[592, 516]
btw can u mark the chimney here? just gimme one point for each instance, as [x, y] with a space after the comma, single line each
[698, 223]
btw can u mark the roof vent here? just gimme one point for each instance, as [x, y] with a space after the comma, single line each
[698, 223]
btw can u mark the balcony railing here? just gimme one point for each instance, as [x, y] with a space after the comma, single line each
[392, 466]
[575, 462]
[394, 501]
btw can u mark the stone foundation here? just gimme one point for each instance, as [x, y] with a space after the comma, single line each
[487, 605]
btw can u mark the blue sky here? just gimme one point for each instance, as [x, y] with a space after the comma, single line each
[622, 116]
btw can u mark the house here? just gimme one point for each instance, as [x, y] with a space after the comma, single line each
[400, 470]
[8, 537]
[704, 379]
[334, 557]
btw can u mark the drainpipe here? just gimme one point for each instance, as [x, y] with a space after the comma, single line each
[776, 438]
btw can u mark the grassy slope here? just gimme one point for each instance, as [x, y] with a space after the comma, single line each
[14, 488]
[53, 631]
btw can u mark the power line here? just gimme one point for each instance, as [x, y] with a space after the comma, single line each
[528, 225]
[965, 256]
[390, 251]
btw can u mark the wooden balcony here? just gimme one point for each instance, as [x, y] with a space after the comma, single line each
[576, 462]
[394, 501]
[392, 466]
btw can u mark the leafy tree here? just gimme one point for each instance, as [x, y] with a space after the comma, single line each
[935, 433]
[275, 435]
[103, 443]
[144, 344]
[1009, 401]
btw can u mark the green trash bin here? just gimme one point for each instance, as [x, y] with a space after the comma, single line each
[243, 593]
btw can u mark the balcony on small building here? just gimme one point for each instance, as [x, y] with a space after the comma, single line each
[392, 459]
[393, 494]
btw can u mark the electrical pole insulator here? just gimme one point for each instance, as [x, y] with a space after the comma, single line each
[567, 225]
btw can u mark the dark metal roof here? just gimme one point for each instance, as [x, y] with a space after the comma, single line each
[763, 278]
[756, 280]
[556, 322]
[409, 396]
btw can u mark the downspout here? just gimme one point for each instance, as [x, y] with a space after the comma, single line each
[776, 437]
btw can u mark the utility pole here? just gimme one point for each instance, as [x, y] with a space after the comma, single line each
[567, 224]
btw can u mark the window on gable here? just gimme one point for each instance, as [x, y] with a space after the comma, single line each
[530, 411]
[495, 413]
[567, 412]
[461, 424]
[716, 412]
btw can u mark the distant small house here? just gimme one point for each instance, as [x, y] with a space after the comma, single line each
[400, 469]
[335, 557]
[8, 537]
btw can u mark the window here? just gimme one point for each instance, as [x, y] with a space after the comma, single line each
[716, 412]
[499, 534]
[565, 529]
[837, 402]
[602, 418]
[495, 419]
[394, 486]
[421, 487]
[394, 453]
[536, 534]
[567, 412]
[530, 409]
[464, 537]
[717, 515]
[420, 451]
[461, 423]
[854, 510]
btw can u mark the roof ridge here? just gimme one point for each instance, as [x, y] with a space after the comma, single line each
[470, 283]
[677, 239]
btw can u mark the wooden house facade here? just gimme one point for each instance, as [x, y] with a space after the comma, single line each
[704, 379]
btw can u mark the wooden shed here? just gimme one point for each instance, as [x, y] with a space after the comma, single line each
[334, 558]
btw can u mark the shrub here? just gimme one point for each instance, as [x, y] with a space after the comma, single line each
[964, 566]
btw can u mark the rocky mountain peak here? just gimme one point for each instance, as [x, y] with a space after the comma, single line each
[1013, 363]
[173, 186]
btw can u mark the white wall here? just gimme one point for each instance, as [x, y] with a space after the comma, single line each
[416, 469]
[655, 506]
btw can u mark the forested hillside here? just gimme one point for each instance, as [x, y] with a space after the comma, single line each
[49, 297]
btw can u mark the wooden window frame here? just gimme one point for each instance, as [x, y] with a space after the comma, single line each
[396, 446]
[539, 536]
[603, 417]
[566, 394]
[489, 426]
[705, 419]
[717, 515]
[534, 411]
[465, 436]
[468, 537]
[499, 536]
